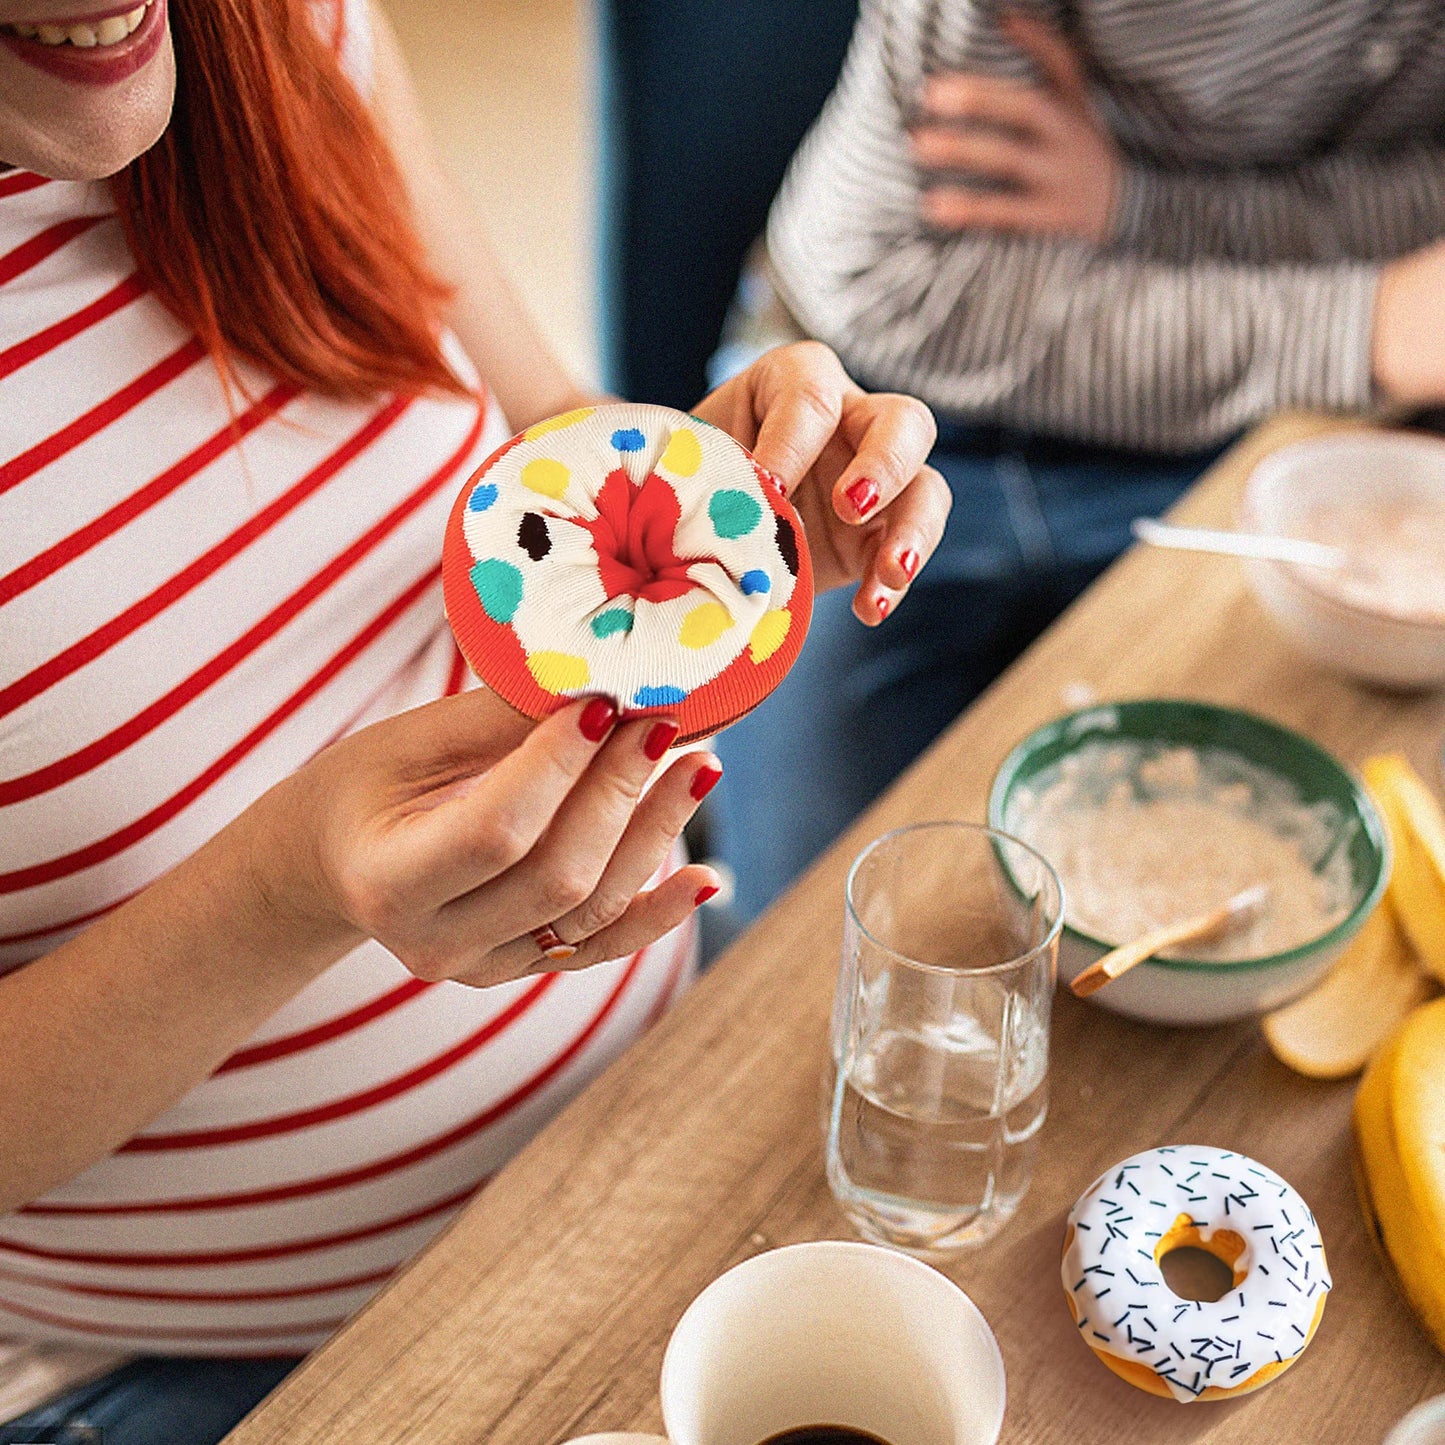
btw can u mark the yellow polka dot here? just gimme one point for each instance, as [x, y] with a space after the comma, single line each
[557, 423]
[683, 455]
[768, 635]
[546, 476]
[558, 672]
[704, 625]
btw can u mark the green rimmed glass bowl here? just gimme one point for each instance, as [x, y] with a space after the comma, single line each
[1199, 991]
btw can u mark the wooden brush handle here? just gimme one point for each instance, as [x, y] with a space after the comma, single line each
[1121, 960]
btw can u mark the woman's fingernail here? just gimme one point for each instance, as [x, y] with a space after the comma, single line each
[705, 780]
[596, 719]
[703, 894]
[883, 604]
[661, 737]
[910, 563]
[863, 494]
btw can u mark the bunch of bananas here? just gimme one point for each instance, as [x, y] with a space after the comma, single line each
[1397, 958]
[1400, 1133]
[1400, 1106]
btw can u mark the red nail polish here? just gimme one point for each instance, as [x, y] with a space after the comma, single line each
[883, 605]
[659, 739]
[864, 495]
[703, 894]
[705, 780]
[596, 719]
[909, 562]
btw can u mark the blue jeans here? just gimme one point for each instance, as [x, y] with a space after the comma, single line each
[153, 1401]
[1034, 521]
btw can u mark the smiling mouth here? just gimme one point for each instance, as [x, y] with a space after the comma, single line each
[84, 34]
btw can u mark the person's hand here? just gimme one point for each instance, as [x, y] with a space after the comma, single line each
[1045, 145]
[853, 463]
[450, 832]
[1407, 351]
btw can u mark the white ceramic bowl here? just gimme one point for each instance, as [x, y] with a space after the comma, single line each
[1372, 646]
[1202, 991]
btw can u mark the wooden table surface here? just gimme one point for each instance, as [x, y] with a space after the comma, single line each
[542, 1313]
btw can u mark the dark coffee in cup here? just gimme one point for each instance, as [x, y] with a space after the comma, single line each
[824, 1435]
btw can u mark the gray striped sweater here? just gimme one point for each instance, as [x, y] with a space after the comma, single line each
[1277, 151]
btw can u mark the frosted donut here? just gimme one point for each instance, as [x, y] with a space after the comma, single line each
[628, 550]
[1129, 1218]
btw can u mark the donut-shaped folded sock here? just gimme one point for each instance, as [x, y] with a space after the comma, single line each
[632, 551]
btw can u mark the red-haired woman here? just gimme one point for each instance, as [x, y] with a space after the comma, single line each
[254, 831]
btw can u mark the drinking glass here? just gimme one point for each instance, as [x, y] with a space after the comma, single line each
[941, 1034]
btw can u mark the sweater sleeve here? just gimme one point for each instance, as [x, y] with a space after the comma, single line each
[1111, 345]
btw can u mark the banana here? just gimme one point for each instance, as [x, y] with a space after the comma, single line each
[1399, 1125]
[1417, 833]
[1331, 1032]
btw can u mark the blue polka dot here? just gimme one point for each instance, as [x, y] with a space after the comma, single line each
[628, 439]
[755, 581]
[482, 498]
[658, 697]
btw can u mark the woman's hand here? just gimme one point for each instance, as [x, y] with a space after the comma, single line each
[450, 832]
[854, 464]
[1056, 163]
[1407, 357]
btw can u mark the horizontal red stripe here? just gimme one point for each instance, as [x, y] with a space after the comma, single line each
[66, 924]
[334, 1028]
[42, 244]
[74, 657]
[254, 1255]
[123, 838]
[183, 1332]
[100, 416]
[21, 181]
[49, 561]
[364, 1173]
[348, 1104]
[201, 1296]
[62, 770]
[22, 353]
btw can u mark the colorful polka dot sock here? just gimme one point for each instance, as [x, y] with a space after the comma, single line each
[633, 551]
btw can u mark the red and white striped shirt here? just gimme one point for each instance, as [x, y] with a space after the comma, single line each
[184, 620]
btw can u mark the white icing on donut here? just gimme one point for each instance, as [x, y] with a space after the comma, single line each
[1126, 1309]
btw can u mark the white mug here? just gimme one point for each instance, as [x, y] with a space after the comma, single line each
[1424, 1425]
[830, 1333]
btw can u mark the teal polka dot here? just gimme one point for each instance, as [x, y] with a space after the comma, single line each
[499, 587]
[615, 619]
[734, 514]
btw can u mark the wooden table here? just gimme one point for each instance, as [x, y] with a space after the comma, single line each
[543, 1311]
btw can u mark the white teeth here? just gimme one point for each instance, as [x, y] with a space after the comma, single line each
[86, 35]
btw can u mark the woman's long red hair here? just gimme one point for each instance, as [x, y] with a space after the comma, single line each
[271, 217]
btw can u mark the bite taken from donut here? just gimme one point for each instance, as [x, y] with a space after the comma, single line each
[1230, 1206]
[633, 551]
